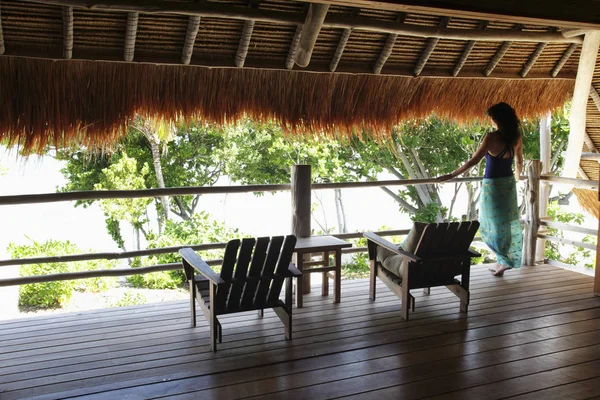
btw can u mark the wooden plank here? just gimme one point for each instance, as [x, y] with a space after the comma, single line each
[241, 271]
[266, 275]
[513, 314]
[258, 260]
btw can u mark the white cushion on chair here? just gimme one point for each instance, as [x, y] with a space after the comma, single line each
[390, 261]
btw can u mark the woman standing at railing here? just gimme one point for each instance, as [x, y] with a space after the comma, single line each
[498, 208]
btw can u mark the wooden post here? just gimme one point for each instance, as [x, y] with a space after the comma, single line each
[532, 213]
[301, 201]
[581, 94]
[545, 124]
[597, 270]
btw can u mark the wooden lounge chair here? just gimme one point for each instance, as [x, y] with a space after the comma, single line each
[250, 279]
[432, 255]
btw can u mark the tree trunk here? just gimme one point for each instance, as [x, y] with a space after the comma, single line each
[341, 214]
[422, 192]
[154, 147]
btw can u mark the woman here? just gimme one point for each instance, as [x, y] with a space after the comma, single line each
[498, 210]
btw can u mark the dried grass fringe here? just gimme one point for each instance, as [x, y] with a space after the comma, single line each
[74, 102]
[588, 200]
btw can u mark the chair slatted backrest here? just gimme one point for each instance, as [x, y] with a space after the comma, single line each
[256, 265]
[446, 238]
[241, 271]
[227, 267]
[282, 266]
[266, 275]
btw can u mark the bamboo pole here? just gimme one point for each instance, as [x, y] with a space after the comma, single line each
[431, 43]
[581, 94]
[388, 47]
[532, 213]
[575, 243]
[301, 203]
[190, 39]
[339, 50]
[532, 59]
[563, 59]
[67, 14]
[499, 54]
[130, 35]
[242, 52]
[289, 63]
[545, 156]
[2, 47]
[310, 32]
[578, 183]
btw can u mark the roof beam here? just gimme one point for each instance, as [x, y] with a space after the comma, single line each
[130, 35]
[67, 15]
[2, 48]
[467, 51]
[208, 9]
[560, 63]
[595, 96]
[340, 49]
[581, 94]
[532, 59]
[589, 143]
[289, 63]
[310, 32]
[388, 47]
[569, 14]
[499, 54]
[429, 49]
[190, 39]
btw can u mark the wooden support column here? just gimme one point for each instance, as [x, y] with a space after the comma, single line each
[289, 63]
[130, 35]
[340, 49]
[532, 210]
[597, 268]
[545, 156]
[565, 57]
[190, 39]
[429, 48]
[581, 93]
[467, 51]
[499, 54]
[390, 41]
[67, 15]
[242, 52]
[2, 48]
[301, 202]
[310, 32]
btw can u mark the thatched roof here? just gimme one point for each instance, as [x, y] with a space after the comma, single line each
[63, 78]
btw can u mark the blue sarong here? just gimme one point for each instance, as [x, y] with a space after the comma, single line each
[499, 220]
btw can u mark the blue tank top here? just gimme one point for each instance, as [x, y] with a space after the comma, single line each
[498, 166]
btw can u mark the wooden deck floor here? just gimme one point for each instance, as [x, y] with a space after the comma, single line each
[534, 334]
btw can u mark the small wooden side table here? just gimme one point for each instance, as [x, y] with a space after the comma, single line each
[324, 245]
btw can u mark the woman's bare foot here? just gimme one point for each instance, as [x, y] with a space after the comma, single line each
[499, 270]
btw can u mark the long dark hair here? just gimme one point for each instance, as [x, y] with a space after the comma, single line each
[507, 121]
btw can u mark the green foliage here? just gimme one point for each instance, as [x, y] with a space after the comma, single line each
[130, 299]
[429, 213]
[56, 294]
[566, 254]
[199, 229]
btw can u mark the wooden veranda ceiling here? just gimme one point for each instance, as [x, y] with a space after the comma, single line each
[265, 34]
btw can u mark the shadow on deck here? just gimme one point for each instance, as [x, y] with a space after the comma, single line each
[533, 334]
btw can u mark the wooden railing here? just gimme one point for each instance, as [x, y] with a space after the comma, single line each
[532, 221]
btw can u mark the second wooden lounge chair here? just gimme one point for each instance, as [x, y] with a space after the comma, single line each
[432, 255]
[250, 279]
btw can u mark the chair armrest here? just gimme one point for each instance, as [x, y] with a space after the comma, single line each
[295, 272]
[194, 260]
[386, 244]
[474, 253]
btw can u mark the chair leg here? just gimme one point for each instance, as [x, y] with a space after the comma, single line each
[405, 304]
[220, 331]
[214, 334]
[427, 290]
[193, 303]
[372, 280]
[261, 313]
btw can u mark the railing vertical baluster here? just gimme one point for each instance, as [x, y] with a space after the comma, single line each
[532, 223]
[597, 267]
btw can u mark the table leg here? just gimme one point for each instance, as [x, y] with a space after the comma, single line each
[338, 276]
[325, 283]
[299, 281]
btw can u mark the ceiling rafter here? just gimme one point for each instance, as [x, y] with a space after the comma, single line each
[429, 48]
[339, 49]
[310, 32]
[467, 51]
[499, 54]
[289, 63]
[388, 47]
[565, 57]
[532, 59]
[190, 39]
[67, 16]
[245, 37]
[2, 48]
[130, 35]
